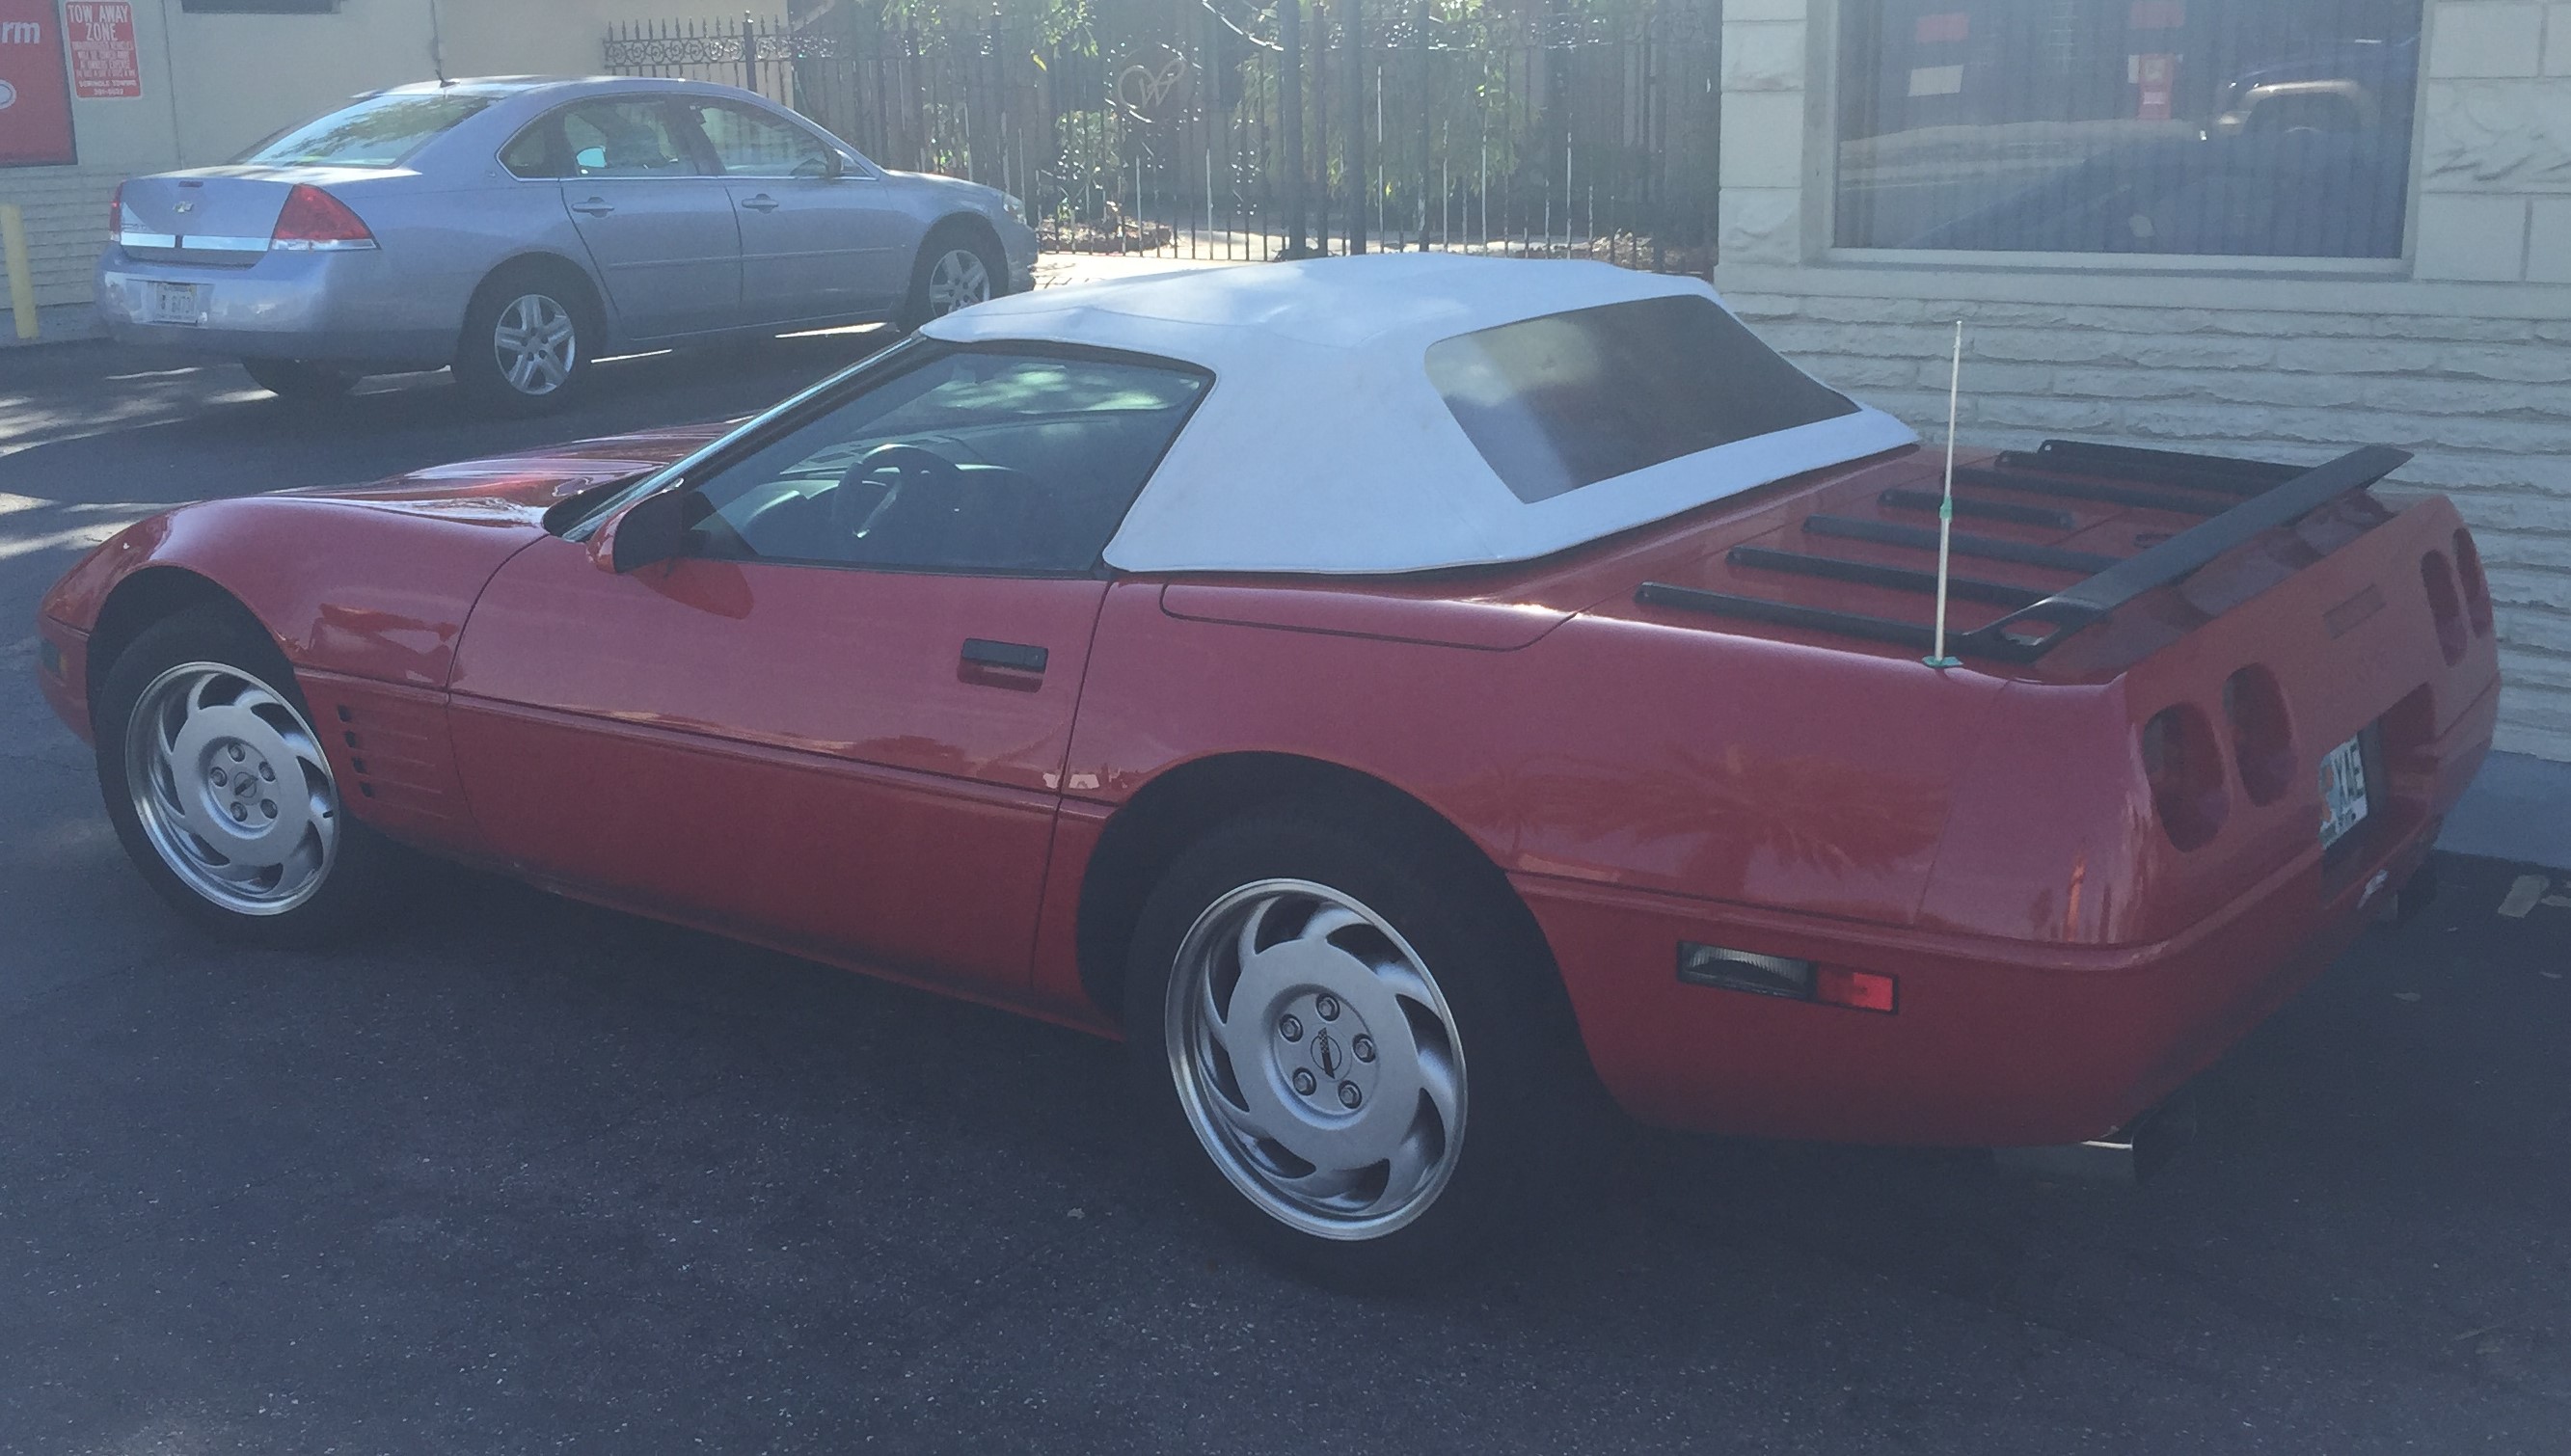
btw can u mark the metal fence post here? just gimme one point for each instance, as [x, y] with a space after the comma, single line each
[1289, 105]
[1358, 210]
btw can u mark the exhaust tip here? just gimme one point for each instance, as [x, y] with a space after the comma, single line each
[2129, 1155]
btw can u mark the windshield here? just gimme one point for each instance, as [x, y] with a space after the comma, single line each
[378, 132]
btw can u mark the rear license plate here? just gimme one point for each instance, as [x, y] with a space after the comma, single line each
[2342, 790]
[176, 303]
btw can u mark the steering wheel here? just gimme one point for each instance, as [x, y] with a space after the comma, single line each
[911, 466]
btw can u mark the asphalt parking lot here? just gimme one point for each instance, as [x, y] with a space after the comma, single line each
[519, 1174]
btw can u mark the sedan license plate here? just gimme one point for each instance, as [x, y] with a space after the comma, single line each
[176, 304]
[2342, 790]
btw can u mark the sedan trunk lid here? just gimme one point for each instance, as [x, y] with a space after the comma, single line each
[218, 217]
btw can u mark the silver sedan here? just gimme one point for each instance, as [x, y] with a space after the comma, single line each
[517, 228]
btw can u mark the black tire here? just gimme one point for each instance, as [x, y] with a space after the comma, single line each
[1528, 1092]
[546, 292]
[918, 306]
[301, 379]
[358, 880]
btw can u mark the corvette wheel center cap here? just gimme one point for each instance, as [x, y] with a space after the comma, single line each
[1325, 1054]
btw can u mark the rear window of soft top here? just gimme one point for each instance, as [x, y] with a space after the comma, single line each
[1570, 399]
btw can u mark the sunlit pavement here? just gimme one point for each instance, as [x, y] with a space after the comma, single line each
[519, 1174]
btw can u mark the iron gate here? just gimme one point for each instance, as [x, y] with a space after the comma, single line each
[1231, 135]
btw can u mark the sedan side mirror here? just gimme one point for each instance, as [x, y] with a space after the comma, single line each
[649, 530]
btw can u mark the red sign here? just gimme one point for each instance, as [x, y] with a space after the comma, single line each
[2157, 76]
[35, 99]
[102, 37]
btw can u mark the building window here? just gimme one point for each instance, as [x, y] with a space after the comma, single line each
[259, 7]
[2223, 127]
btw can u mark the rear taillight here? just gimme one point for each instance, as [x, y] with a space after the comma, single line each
[2262, 738]
[2468, 566]
[116, 213]
[2445, 604]
[2185, 770]
[314, 220]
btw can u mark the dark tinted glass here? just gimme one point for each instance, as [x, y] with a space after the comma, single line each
[536, 152]
[2229, 128]
[984, 461]
[1569, 399]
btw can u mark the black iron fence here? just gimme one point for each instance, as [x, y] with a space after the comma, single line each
[1228, 135]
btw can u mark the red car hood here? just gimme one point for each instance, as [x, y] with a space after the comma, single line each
[514, 489]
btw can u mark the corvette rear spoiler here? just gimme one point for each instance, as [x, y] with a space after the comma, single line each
[2270, 496]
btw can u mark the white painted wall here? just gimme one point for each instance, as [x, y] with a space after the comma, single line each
[2462, 355]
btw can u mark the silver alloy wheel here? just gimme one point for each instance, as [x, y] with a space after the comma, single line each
[957, 281]
[535, 344]
[232, 788]
[1316, 1058]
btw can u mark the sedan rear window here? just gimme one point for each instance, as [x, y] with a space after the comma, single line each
[1571, 399]
[380, 131]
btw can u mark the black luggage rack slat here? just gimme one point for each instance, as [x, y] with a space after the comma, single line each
[2168, 467]
[1988, 548]
[1898, 578]
[1927, 500]
[2086, 490]
[2030, 631]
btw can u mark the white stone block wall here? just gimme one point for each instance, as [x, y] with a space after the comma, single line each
[65, 213]
[2464, 356]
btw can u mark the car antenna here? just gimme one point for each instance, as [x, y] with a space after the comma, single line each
[437, 46]
[1947, 505]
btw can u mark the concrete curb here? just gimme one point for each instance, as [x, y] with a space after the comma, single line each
[2519, 808]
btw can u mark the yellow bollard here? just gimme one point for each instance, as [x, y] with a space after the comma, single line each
[22, 282]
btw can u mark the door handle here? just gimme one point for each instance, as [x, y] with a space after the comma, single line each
[595, 206]
[761, 203]
[1016, 656]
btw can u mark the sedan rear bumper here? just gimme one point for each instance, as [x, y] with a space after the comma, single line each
[339, 306]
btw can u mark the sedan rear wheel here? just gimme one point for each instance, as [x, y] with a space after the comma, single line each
[526, 344]
[222, 791]
[535, 345]
[1352, 1046]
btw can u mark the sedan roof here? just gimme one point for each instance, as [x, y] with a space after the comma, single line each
[1326, 446]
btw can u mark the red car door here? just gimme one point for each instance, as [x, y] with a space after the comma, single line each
[838, 718]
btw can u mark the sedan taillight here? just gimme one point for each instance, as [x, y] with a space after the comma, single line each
[116, 213]
[314, 220]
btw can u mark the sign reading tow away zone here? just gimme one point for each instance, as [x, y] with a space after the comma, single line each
[100, 32]
[34, 92]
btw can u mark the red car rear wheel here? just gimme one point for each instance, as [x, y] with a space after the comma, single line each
[1346, 1049]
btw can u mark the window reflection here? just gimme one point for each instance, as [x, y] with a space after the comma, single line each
[2236, 128]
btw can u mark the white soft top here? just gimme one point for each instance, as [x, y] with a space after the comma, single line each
[1323, 445]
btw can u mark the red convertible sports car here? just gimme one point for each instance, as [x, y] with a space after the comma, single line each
[1394, 694]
